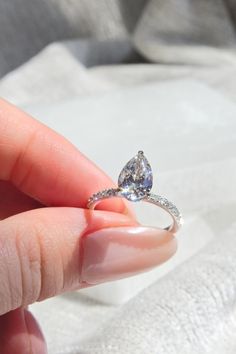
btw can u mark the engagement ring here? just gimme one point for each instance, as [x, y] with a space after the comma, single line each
[135, 183]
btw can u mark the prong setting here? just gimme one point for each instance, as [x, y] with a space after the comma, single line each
[135, 179]
[134, 184]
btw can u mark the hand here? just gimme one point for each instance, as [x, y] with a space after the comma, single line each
[49, 242]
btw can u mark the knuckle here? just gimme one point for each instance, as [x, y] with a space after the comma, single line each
[8, 282]
[28, 256]
[20, 266]
[41, 263]
[31, 263]
[20, 175]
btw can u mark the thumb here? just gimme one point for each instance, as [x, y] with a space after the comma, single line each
[47, 251]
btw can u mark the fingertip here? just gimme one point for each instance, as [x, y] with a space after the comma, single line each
[20, 333]
[35, 334]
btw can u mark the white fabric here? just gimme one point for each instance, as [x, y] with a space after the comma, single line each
[57, 73]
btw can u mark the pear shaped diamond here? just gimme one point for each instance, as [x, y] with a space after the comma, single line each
[135, 180]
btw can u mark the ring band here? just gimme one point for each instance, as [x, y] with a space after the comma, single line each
[134, 184]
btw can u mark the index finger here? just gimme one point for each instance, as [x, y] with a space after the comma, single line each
[46, 166]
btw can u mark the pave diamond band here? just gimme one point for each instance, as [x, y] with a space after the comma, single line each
[134, 184]
[150, 198]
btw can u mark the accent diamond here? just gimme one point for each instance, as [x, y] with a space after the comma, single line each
[135, 180]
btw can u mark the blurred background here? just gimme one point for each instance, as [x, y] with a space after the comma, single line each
[54, 49]
[117, 76]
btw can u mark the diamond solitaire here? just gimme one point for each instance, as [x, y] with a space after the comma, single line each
[135, 183]
[135, 180]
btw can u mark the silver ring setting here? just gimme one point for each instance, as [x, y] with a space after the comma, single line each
[135, 184]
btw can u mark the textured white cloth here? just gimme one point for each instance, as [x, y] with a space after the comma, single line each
[190, 310]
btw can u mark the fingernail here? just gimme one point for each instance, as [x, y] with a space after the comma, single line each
[119, 252]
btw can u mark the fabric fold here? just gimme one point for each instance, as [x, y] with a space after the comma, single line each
[191, 32]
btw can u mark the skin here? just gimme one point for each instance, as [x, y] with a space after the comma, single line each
[49, 242]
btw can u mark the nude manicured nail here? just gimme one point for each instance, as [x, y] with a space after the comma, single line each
[118, 252]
